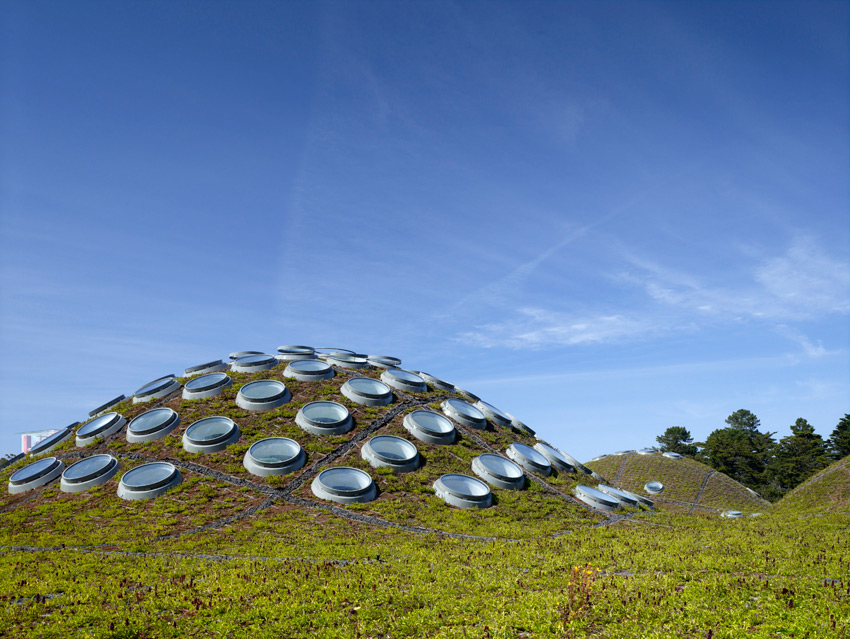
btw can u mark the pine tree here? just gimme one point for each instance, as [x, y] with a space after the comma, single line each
[839, 441]
[677, 439]
[799, 456]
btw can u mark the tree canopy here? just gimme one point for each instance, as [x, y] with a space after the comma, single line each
[677, 439]
[798, 456]
[839, 440]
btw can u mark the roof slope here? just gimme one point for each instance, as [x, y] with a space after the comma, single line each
[827, 492]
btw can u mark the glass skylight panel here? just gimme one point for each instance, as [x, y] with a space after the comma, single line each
[595, 498]
[472, 397]
[103, 426]
[35, 474]
[367, 391]
[598, 458]
[348, 361]
[624, 498]
[88, 473]
[436, 382]
[520, 426]
[152, 425]
[554, 457]
[274, 456]
[324, 418]
[464, 413]
[107, 405]
[653, 487]
[498, 471]
[384, 361]
[646, 451]
[389, 451]
[430, 427]
[671, 455]
[344, 485]
[262, 395]
[624, 452]
[327, 351]
[463, 491]
[156, 389]
[148, 481]
[404, 380]
[529, 459]
[208, 385]
[51, 442]
[640, 498]
[493, 414]
[238, 354]
[254, 363]
[308, 370]
[210, 435]
[294, 352]
[11, 460]
[731, 514]
[575, 463]
[208, 367]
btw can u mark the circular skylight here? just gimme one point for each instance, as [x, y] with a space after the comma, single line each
[308, 370]
[596, 459]
[156, 389]
[624, 452]
[384, 361]
[620, 495]
[554, 457]
[640, 498]
[107, 405]
[88, 473]
[520, 426]
[404, 380]
[254, 363]
[264, 394]
[595, 498]
[239, 354]
[529, 458]
[646, 451]
[294, 352]
[206, 386]
[210, 435]
[732, 514]
[324, 418]
[463, 491]
[274, 456]
[35, 474]
[575, 463]
[464, 413]
[436, 382]
[493, 414]
[348, 361]
[344, 485]
[148, 481]
[670, 455]
[209, 367]
[51, 442]
[100, 427]
[466, 394]
[152, 425]
[653, 487]
[430, 427]
[325, 351]
[390, 451]
[367, 391]
[498, 471]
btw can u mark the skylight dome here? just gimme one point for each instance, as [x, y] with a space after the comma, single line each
[348, 361]
[555, 458]
[103, 426]
[107, 405]
[208, 367]
[389, 451]
[731, 514]
[49, 443]
[624, 452]
[653, 487]
[148, 481]
[430, 427]
[152, 425]
[274, 456]
[205, 386]
[623, 497]
[254, 363]
[436, 382]
[210, 435]
[236, 355]
[464, 413]
[156, 389]
[404, 380]
[671, 455]
[295, 352]
[344, 485]
[493, 414]
[367, 391]
[324, 418]
[326, 351]
[529, 458]
[520, 426]
[383, 361]
[574, 462]
[646, 451]
[262, 395]
[35, 474]
[466, 394]
[595, 498]
[498, 471]
[463, 491]
[88, 473]
[640, 498]
[308, 370]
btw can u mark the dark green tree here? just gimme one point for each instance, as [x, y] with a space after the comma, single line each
[677, 439]
[744, 420]
[839, 441]
[798, 456]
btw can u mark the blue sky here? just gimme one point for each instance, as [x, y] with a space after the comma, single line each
[606, 218]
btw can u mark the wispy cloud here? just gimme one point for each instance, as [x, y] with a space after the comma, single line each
[810, 349]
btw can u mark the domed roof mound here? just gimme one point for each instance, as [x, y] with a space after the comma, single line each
[688, 485]
[827, 492]
[267, 441]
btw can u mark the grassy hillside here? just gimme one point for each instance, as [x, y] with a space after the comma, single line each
[827, 492]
